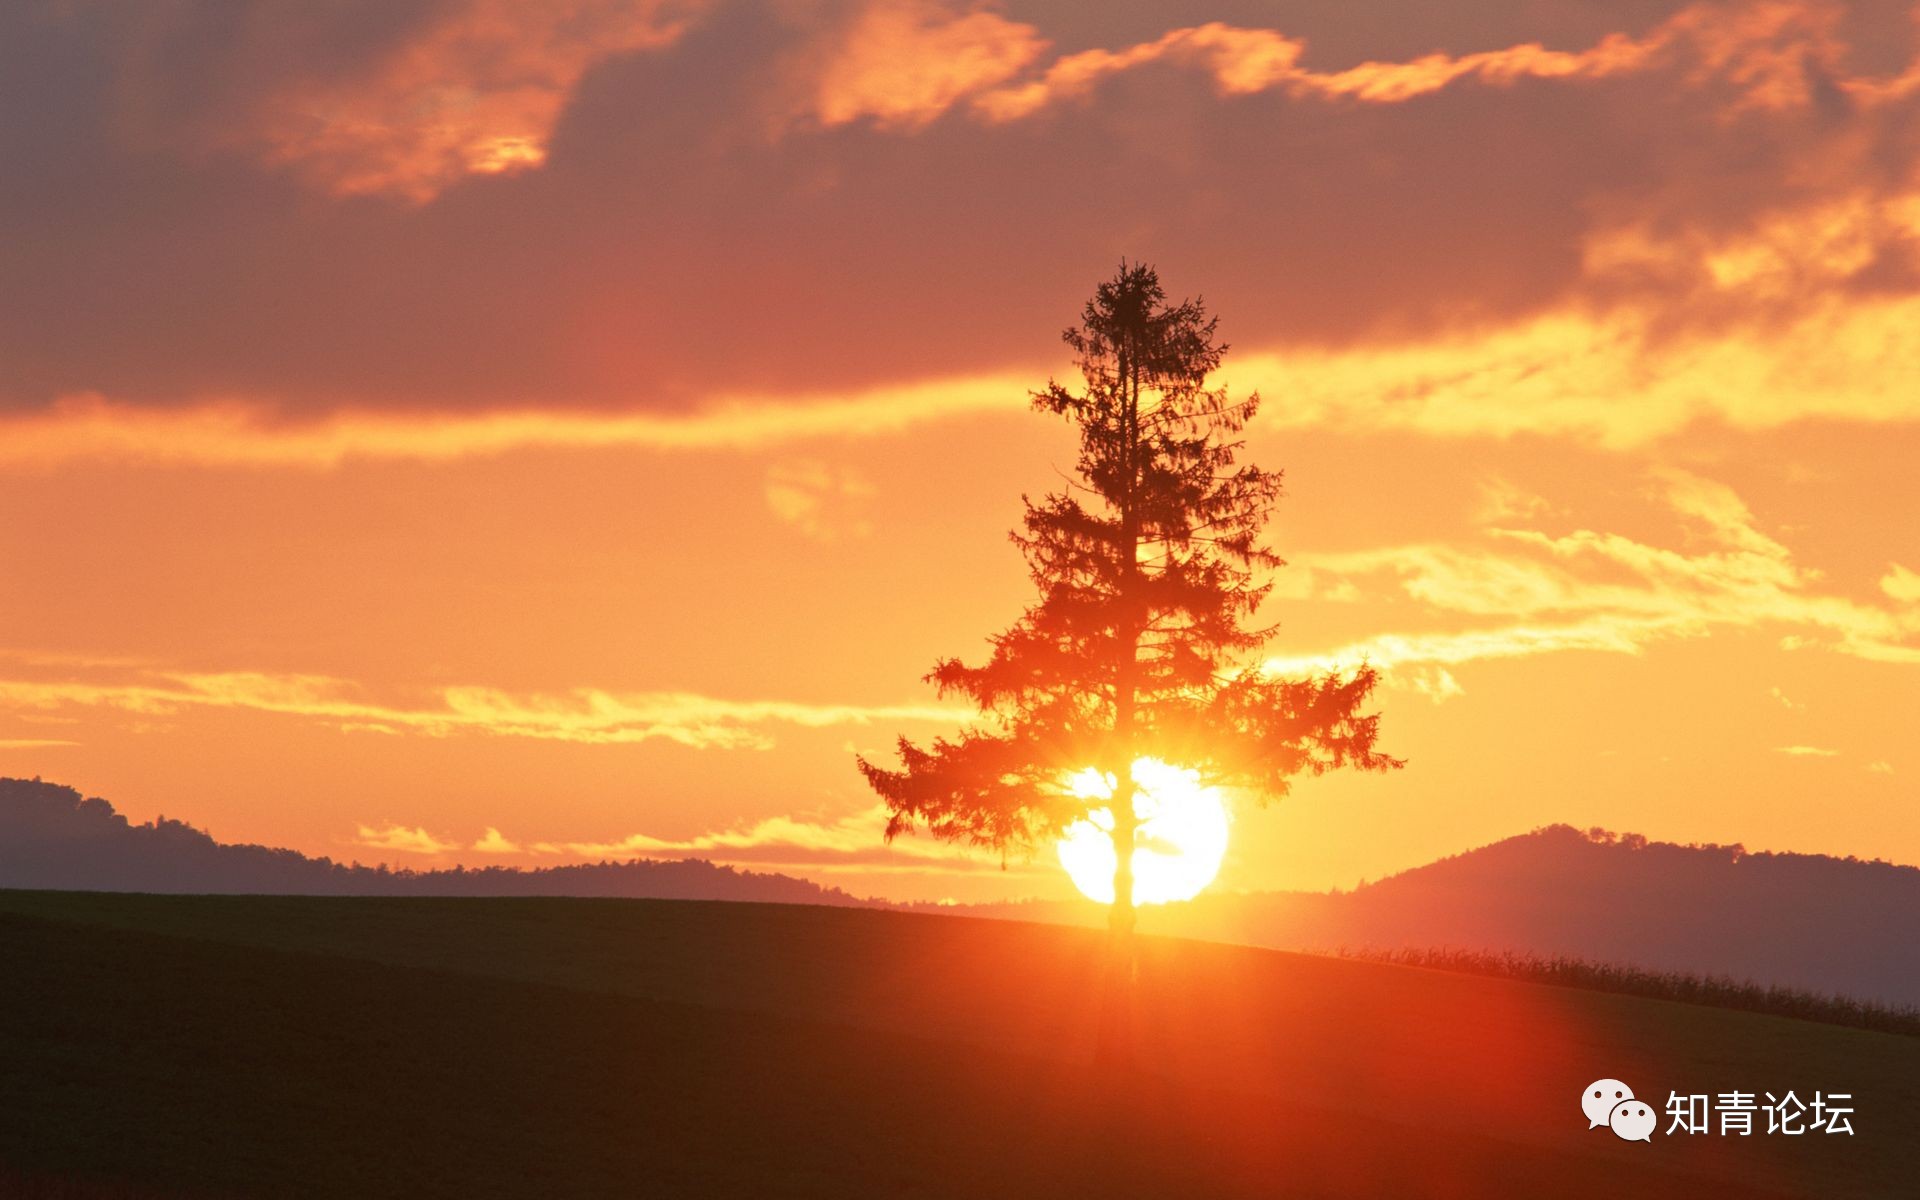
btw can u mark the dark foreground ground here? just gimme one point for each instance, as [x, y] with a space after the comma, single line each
[243, 1046]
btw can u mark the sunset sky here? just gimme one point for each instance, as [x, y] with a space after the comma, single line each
[521, 432]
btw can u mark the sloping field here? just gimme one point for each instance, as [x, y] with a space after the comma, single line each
[259, 1046]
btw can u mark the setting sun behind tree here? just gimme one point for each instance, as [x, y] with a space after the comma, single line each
[1178, 847]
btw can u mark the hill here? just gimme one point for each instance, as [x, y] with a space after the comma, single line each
[1795, 920]
[318, 1047]
[52, 837]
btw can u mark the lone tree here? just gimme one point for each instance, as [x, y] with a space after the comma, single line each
[1142, 641]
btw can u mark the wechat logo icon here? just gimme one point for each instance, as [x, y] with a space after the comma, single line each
[1611, 1103]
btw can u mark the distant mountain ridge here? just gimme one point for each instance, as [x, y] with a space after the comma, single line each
[1799, 920]
[51, 837]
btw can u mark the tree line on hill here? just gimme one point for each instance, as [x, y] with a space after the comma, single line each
[52, 837]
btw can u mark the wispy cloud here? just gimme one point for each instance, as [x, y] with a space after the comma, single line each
[494, 842]
[1243, 61]
[1394, 651]
[249, 434]
[813, 841]
[1593, 591]
[1436, 684]
[401, 839]
[1767, 54]
[1501, 501]
[582, 715]
[787, 839]
[824, 502]
[850, 841]
[1806, 751]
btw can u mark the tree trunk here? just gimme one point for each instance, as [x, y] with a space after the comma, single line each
[1114, 1043]
[1120, 916]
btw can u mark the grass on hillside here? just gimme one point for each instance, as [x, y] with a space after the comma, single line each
[1719, 991]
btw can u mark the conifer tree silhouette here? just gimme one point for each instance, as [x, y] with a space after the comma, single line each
[1142, 642]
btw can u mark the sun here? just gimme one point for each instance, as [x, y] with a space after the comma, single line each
[1181, 840]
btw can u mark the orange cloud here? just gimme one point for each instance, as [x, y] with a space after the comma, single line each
[904, 63]
[1621, 378]
[1240, 60]
[1774, 51]
[1817, 248]
[400, 839]
[494, 842]
[476, 91]
[1756, 293]
[1785, 337]
[1901, 584]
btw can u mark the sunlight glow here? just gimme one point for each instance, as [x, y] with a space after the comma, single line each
[1180, 843]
